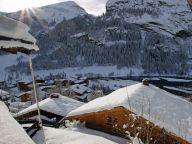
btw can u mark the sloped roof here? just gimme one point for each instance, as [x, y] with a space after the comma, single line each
[59, 106]
[3, 93]
[166, 110]
[14, 36]
[10, 131]
[80, 89]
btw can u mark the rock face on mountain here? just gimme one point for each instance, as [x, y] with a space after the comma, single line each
[168, 17]
[47, 17]
[148, 34]
[190, 3]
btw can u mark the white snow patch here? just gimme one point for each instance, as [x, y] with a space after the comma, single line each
[79, 135]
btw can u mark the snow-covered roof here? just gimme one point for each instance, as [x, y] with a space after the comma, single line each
[80, 89]
[19, 94]
[14, 34]
[60, 106]
[3, 93]
[166, 110]
[10, 131]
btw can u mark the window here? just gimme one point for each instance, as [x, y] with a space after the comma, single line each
[109, 121]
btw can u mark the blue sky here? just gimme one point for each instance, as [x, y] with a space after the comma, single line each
[95, 7]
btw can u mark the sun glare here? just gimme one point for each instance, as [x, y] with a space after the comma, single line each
[11, 6]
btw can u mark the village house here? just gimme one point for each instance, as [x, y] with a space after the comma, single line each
[4, 96]
[81, 92]
[83, 80]
[54, 107]
[24, 86]
[141, 109]
[24, 96]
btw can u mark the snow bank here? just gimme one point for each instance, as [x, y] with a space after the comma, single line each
[93, 70]
[60, 106]
[10, 131]
[76, 136]
[166, 110]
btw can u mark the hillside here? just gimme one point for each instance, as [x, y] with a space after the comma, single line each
[153, 36]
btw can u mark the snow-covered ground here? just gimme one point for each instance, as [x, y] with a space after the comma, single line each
[97, 70]
[112, 84]
[78, 135]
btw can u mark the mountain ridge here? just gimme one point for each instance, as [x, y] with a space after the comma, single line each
[47, 17]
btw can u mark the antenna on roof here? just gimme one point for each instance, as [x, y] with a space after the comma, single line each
[36, 96]
[128, 97]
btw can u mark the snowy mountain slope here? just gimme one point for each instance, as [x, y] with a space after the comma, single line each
[152, 36]
[44, 18]
[168, 17]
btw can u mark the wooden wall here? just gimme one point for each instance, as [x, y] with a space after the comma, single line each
[25, 97]
[119, 120]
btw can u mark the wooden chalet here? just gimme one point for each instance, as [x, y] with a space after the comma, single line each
[23, 86]
[25, 96]
[121, 113]
[54, 107]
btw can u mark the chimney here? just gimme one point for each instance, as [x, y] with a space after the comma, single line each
[54, 96]
[145, 82]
